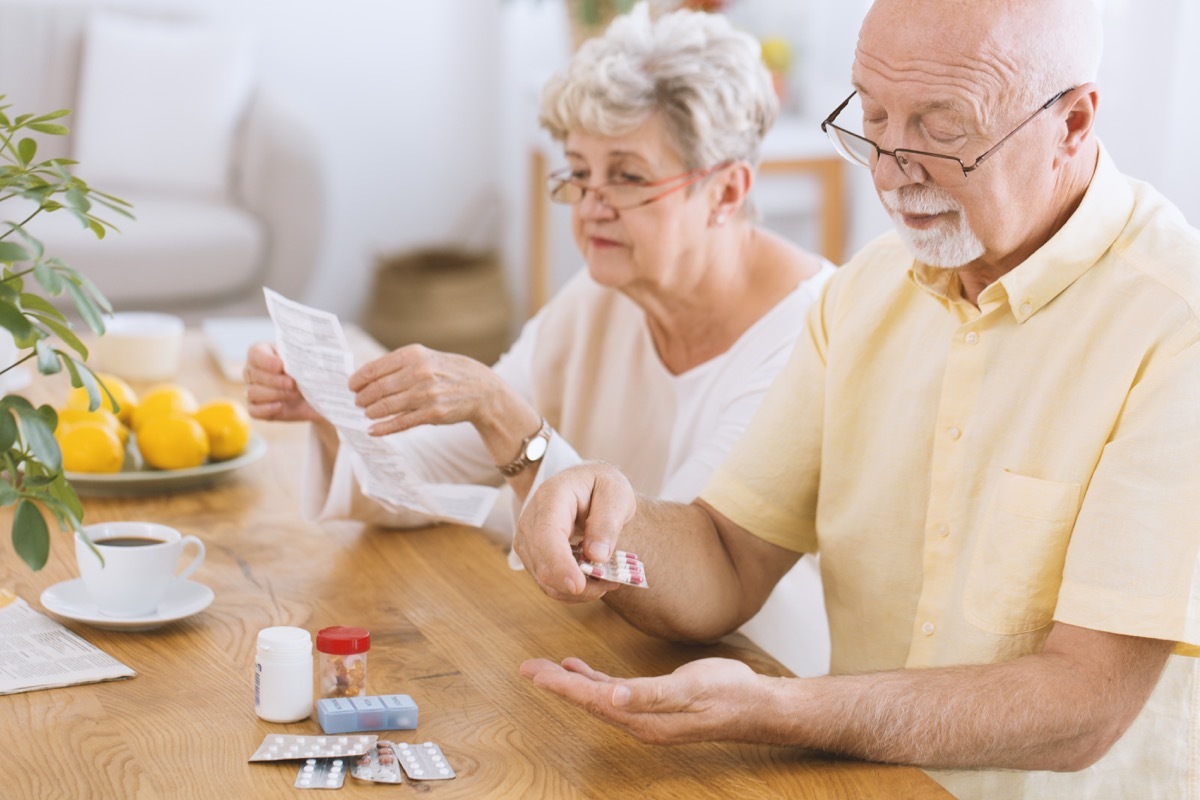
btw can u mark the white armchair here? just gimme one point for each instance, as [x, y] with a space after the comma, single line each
[215, 220]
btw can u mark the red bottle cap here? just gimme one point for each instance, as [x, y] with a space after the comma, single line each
[342, 640]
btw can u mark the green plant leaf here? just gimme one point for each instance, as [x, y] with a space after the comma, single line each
[30, 536]
[82, 376]
[34, 245]
[50, 128]
[11, 251]
[26, 150]
[63, 332]
[47, 358]
[8, 495]
[40, 305]
[70, 511]
[40, 481]
[8, 430]
[14, 321]
[77, 199]
[93, 291]
[39, 435]
[49, 280]
[86, 308]
[112, 201]
[59, 114]
[77, 378]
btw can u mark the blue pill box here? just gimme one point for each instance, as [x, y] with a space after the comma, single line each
[389, 712]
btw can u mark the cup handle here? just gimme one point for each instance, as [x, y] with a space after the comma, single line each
[197, 560]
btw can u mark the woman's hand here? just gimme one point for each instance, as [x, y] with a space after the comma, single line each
[270, 392]
[417, 386]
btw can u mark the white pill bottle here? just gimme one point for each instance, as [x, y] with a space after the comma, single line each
[283, 674]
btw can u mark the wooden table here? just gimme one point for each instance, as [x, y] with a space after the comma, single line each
[449, 622]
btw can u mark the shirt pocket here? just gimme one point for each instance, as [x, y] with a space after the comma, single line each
[1016, 570]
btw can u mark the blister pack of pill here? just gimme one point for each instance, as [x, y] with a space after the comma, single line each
[423, 762]
[380, 765]
[321, 773]
[290, 747]
[622, 567]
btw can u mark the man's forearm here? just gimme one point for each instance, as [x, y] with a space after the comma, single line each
[1056, 710]
[694, 593]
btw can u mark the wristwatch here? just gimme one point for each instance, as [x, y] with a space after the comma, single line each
[532, 450]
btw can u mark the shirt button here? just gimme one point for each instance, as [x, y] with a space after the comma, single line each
[972, 338]
[943, 530]
[954, 433]
[1026, 308]
[927, 628]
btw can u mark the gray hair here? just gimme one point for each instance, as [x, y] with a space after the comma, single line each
[706, 79]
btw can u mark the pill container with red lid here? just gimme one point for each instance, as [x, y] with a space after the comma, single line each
[342, 659]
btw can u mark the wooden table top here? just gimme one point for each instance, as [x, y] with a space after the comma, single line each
[449, 623]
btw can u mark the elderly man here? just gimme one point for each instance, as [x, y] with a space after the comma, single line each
[990, 431]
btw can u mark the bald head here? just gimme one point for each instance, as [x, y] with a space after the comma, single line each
[1016, 51]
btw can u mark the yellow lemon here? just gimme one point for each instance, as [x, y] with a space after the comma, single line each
[776, 53]
[90, 446]
[70, 416]
[227, 425]
[162, 399]
[121, 391]
[172, 441]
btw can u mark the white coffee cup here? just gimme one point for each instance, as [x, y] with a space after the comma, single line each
[140, 559]
[140, 345]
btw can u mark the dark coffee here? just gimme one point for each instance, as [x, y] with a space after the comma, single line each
[129, 541]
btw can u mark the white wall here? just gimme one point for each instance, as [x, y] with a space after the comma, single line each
[403, 94]
[403, 97]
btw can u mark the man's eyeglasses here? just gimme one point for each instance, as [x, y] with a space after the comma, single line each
[918, 165]
[622, 195]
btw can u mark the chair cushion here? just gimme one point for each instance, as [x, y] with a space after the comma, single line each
[176, 252]
[159, 103]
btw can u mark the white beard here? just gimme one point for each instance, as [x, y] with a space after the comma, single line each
[939, 246]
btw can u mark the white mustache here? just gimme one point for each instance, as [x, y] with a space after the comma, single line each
[919, 201]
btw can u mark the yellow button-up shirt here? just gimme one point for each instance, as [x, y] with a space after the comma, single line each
[970, 475]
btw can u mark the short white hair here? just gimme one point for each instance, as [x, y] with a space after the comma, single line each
[1061, 42]
[706, 79]
[1039, 47]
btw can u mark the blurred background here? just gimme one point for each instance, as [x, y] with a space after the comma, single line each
[399, 135]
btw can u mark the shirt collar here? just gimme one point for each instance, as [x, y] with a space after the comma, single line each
[1090, 231]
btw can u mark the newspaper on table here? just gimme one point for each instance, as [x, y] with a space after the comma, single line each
[38, 653]
[316, 354]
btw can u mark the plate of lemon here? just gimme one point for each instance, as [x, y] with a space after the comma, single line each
[164, 440]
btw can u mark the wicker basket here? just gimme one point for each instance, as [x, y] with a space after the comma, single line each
[444, 298]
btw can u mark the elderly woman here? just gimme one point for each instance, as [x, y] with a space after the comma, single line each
[656, 356]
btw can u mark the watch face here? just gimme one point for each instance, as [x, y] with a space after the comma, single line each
[536, 449]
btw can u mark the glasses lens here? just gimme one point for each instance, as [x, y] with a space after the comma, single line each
[940, 170]
[564, 191]
[854, 149]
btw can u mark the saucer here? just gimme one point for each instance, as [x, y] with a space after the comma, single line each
[70, 599]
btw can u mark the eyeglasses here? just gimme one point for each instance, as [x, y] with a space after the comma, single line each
[918, 165]
[622, 195]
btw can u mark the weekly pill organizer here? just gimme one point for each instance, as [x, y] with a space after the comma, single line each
[389, 712]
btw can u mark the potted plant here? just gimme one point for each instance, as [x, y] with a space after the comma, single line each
[31, 474]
